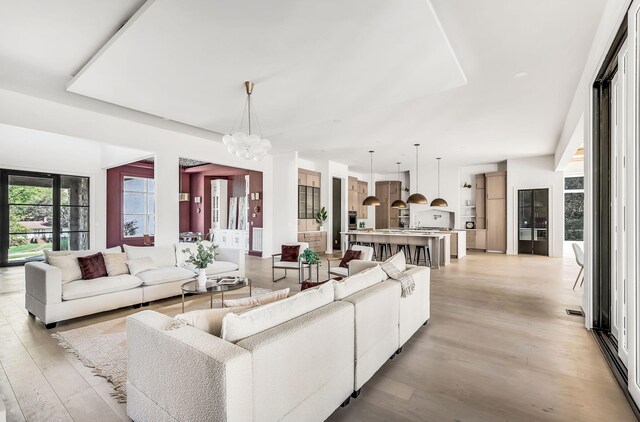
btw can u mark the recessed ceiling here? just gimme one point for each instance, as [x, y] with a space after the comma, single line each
[312, 61]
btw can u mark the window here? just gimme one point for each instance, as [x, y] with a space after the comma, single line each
[574, 208]
[138, 201]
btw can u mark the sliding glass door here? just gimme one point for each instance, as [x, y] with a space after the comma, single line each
[40, 212]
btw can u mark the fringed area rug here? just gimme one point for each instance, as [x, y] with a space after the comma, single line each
[103, 346]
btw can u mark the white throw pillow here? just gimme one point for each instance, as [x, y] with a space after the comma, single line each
[237, 327]
[162, 256]
[68, 265]
[359, 281]
[136, 266]
[208, 320]
[116, 263]
[399, 261]
[259, 300]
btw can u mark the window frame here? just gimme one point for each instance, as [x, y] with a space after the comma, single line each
[146, 215]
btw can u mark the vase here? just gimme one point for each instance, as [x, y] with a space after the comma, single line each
[202, 277]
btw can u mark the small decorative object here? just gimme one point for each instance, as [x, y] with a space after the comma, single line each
[242, 213]
[361, 224]
[203, 256]
[233, 212]
[467, 186]
[197, 199]
[470, 225]
[309, 257]
[321, 216]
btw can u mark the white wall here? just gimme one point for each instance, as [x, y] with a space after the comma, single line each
[167, 145]
[32, 150]
[285, 199]
[536, 173]
[450, 188]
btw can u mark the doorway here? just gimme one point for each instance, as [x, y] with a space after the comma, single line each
[533, 222]
[336, 213]
[41, 212]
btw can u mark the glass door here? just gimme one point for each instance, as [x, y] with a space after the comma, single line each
[533, 222]
[525, 222]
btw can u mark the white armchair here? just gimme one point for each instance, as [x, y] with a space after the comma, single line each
[366, 254]
[277, 263]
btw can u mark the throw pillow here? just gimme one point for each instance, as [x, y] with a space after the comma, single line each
[399, 261]
[136, 266]
[207, 320]
[290, 253]
[68, 265]
[348, 256]
[92, 266]
[116, 263]
[311, 284]
[258, 300]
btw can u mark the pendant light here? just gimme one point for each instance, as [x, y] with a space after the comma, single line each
[439, 202]
[371, 201]
[399, 203]
[417, 198]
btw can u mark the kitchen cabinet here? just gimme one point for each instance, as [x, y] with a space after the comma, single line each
[317, 240]
[308, 197]
[387, 192]
[353, 184]
[480, 202]
[363, 192]
[496, 211]
[477, 239]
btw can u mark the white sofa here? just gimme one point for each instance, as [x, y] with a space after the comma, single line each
[301, 369]
[50, 300]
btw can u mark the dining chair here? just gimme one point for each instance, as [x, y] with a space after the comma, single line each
[577, 250]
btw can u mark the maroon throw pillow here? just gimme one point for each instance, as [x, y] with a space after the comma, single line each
[290, 253]
[92, 266]
[310, 284]
[348, 256]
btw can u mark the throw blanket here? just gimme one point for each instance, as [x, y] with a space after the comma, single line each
[407, 282]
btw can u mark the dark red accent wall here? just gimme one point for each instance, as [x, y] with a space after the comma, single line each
[185, 208]
[115, 177]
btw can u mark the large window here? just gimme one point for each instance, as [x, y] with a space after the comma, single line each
[574, 208]
[138, 206]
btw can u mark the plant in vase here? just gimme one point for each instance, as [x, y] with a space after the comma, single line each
[321, 216]
[309, 257]
[203, 256]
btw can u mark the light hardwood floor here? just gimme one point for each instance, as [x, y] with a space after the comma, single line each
[499, 347]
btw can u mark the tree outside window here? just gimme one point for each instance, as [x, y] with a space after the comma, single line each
[139, 206]
[574, 208]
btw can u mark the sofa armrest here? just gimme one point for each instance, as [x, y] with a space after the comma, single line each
[185, 373]
[43, 282]
[237, 256]
[359, 265]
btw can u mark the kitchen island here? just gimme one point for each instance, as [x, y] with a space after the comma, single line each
[439, 242]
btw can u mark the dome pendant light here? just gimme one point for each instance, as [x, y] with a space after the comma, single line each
[439, 202]
[399, 203]
[371, 201]
[417, 198]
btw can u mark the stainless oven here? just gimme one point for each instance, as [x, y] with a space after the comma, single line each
[353, 220]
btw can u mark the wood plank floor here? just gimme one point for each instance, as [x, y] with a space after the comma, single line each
[499, 347]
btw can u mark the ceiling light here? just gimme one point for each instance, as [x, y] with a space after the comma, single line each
[520, 75]
[417, 198]
[371, 201]
[439, 202]
[247, 145]
[399, 203]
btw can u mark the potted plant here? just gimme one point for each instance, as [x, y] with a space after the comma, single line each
[321, 216]
[309, 257]
[203, 256]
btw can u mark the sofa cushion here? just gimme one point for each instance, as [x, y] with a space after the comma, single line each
[285, 264]
[216, 267]
[162, 256]
[360, 281]
[208, 320]
[258, 300]
[99, 286]
[69, 268]
[343, 272]
[311, 284]
[116, 263]
[92, 266]
[137, 266]
[181, 257]
[48, 254]
[237, 327]
[399, 261]
[164, 275]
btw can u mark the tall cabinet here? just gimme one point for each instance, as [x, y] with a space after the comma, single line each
[387, 192]
[496, 211]
[308, 206]
[358, 191]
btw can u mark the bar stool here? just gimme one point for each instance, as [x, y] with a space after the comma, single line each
[367, 240]
[407, 252]
[352, 240]
[426, 255]
[384, 247]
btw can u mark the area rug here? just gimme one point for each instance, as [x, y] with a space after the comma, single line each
[103, 346]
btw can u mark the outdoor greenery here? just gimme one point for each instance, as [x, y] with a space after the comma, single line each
[573, 216]
[204, 255]
[130, 227]
[34, 197]
[309, 256]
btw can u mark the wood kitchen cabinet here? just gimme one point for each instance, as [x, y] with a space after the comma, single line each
[363, 192]
[387, 192]
[496, 211]
[317, 240]
[477, 239]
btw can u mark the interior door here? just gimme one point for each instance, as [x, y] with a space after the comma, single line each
[541, 222]
[525, 222]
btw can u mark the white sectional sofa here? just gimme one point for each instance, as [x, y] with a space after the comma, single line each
[301, 368]
[51, 300]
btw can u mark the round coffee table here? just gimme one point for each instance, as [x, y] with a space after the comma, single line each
[212, 287]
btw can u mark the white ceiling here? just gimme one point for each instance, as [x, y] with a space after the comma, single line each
[333, 79]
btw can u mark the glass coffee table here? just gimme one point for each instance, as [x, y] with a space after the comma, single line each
[212, 287]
